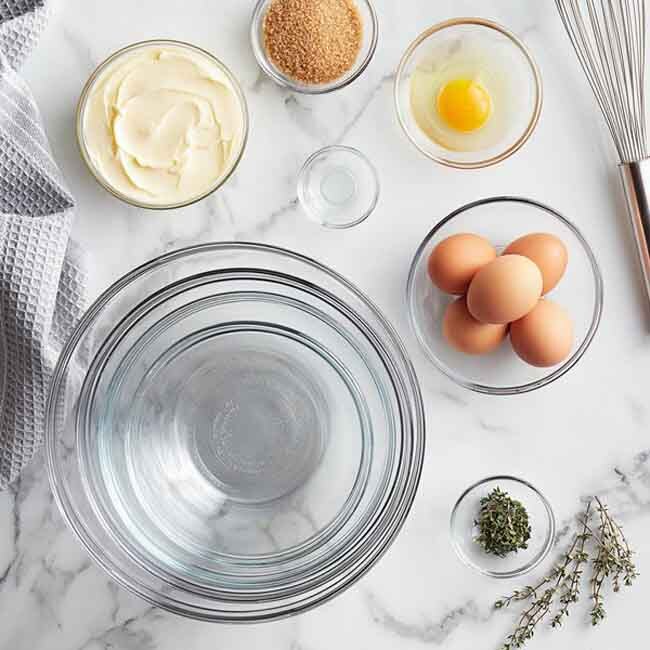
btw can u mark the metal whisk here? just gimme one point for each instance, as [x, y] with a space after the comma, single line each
[609, 37]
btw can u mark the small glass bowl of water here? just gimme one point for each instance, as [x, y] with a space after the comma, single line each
[338, 187]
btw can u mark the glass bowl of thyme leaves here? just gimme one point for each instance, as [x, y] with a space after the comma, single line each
[502, 526]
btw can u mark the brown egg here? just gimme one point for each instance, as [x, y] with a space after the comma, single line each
[544, 337]
[547, 251]
[455, 260]
[504, 290]
[464, 333]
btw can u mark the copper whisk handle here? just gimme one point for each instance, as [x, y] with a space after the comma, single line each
[636, 181]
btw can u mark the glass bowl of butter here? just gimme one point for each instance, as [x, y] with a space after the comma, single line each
[162, 124]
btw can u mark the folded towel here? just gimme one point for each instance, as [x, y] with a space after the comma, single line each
[41, 270]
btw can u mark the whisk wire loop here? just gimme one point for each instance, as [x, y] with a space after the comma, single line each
[609, 38]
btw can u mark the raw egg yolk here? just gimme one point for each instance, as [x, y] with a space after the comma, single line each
[464, 105]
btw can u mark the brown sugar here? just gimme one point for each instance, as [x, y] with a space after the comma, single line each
[313, 41]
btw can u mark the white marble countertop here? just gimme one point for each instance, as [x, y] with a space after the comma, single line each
[586, 433]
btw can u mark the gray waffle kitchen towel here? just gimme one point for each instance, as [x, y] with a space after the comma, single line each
[41, 269]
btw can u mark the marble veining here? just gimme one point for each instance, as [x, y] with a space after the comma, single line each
[585, 434]
[433, 632]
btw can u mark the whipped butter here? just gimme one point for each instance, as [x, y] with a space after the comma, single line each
[162, 124]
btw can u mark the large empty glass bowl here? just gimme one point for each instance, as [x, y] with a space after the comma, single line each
[234, 432]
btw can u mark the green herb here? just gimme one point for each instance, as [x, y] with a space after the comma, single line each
[562, 583]
[579, 556]
[613, 560]
[503, 524]
[560, 588]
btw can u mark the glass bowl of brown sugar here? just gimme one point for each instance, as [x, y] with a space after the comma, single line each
[314, 46]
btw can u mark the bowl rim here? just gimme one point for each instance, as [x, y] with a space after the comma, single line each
[305, 204]
[555, 373]
[81, 106]
[305, 89]
[537, 82]
[378, 539]
[525, 568]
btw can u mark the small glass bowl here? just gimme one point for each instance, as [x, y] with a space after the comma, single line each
[368, 47]
[95, 76]
[338, 187]
[502, 220]
[452, 34]
[464, 530]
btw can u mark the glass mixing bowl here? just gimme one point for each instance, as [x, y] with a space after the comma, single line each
[234, 432]
[502, 220]
[461, 35]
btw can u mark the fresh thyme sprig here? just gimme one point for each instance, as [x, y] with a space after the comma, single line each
[601, 568]
[561, 586]
[564, 578]
[571, 593]
[613, 560]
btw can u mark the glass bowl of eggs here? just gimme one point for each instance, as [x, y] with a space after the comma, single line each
[504, 295]
[468, 93]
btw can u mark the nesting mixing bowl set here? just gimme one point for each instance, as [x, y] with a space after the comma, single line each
[235, 432]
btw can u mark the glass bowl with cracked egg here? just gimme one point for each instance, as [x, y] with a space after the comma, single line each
[579, 293]
[162, 124]
[468, 93]
[234, 432]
